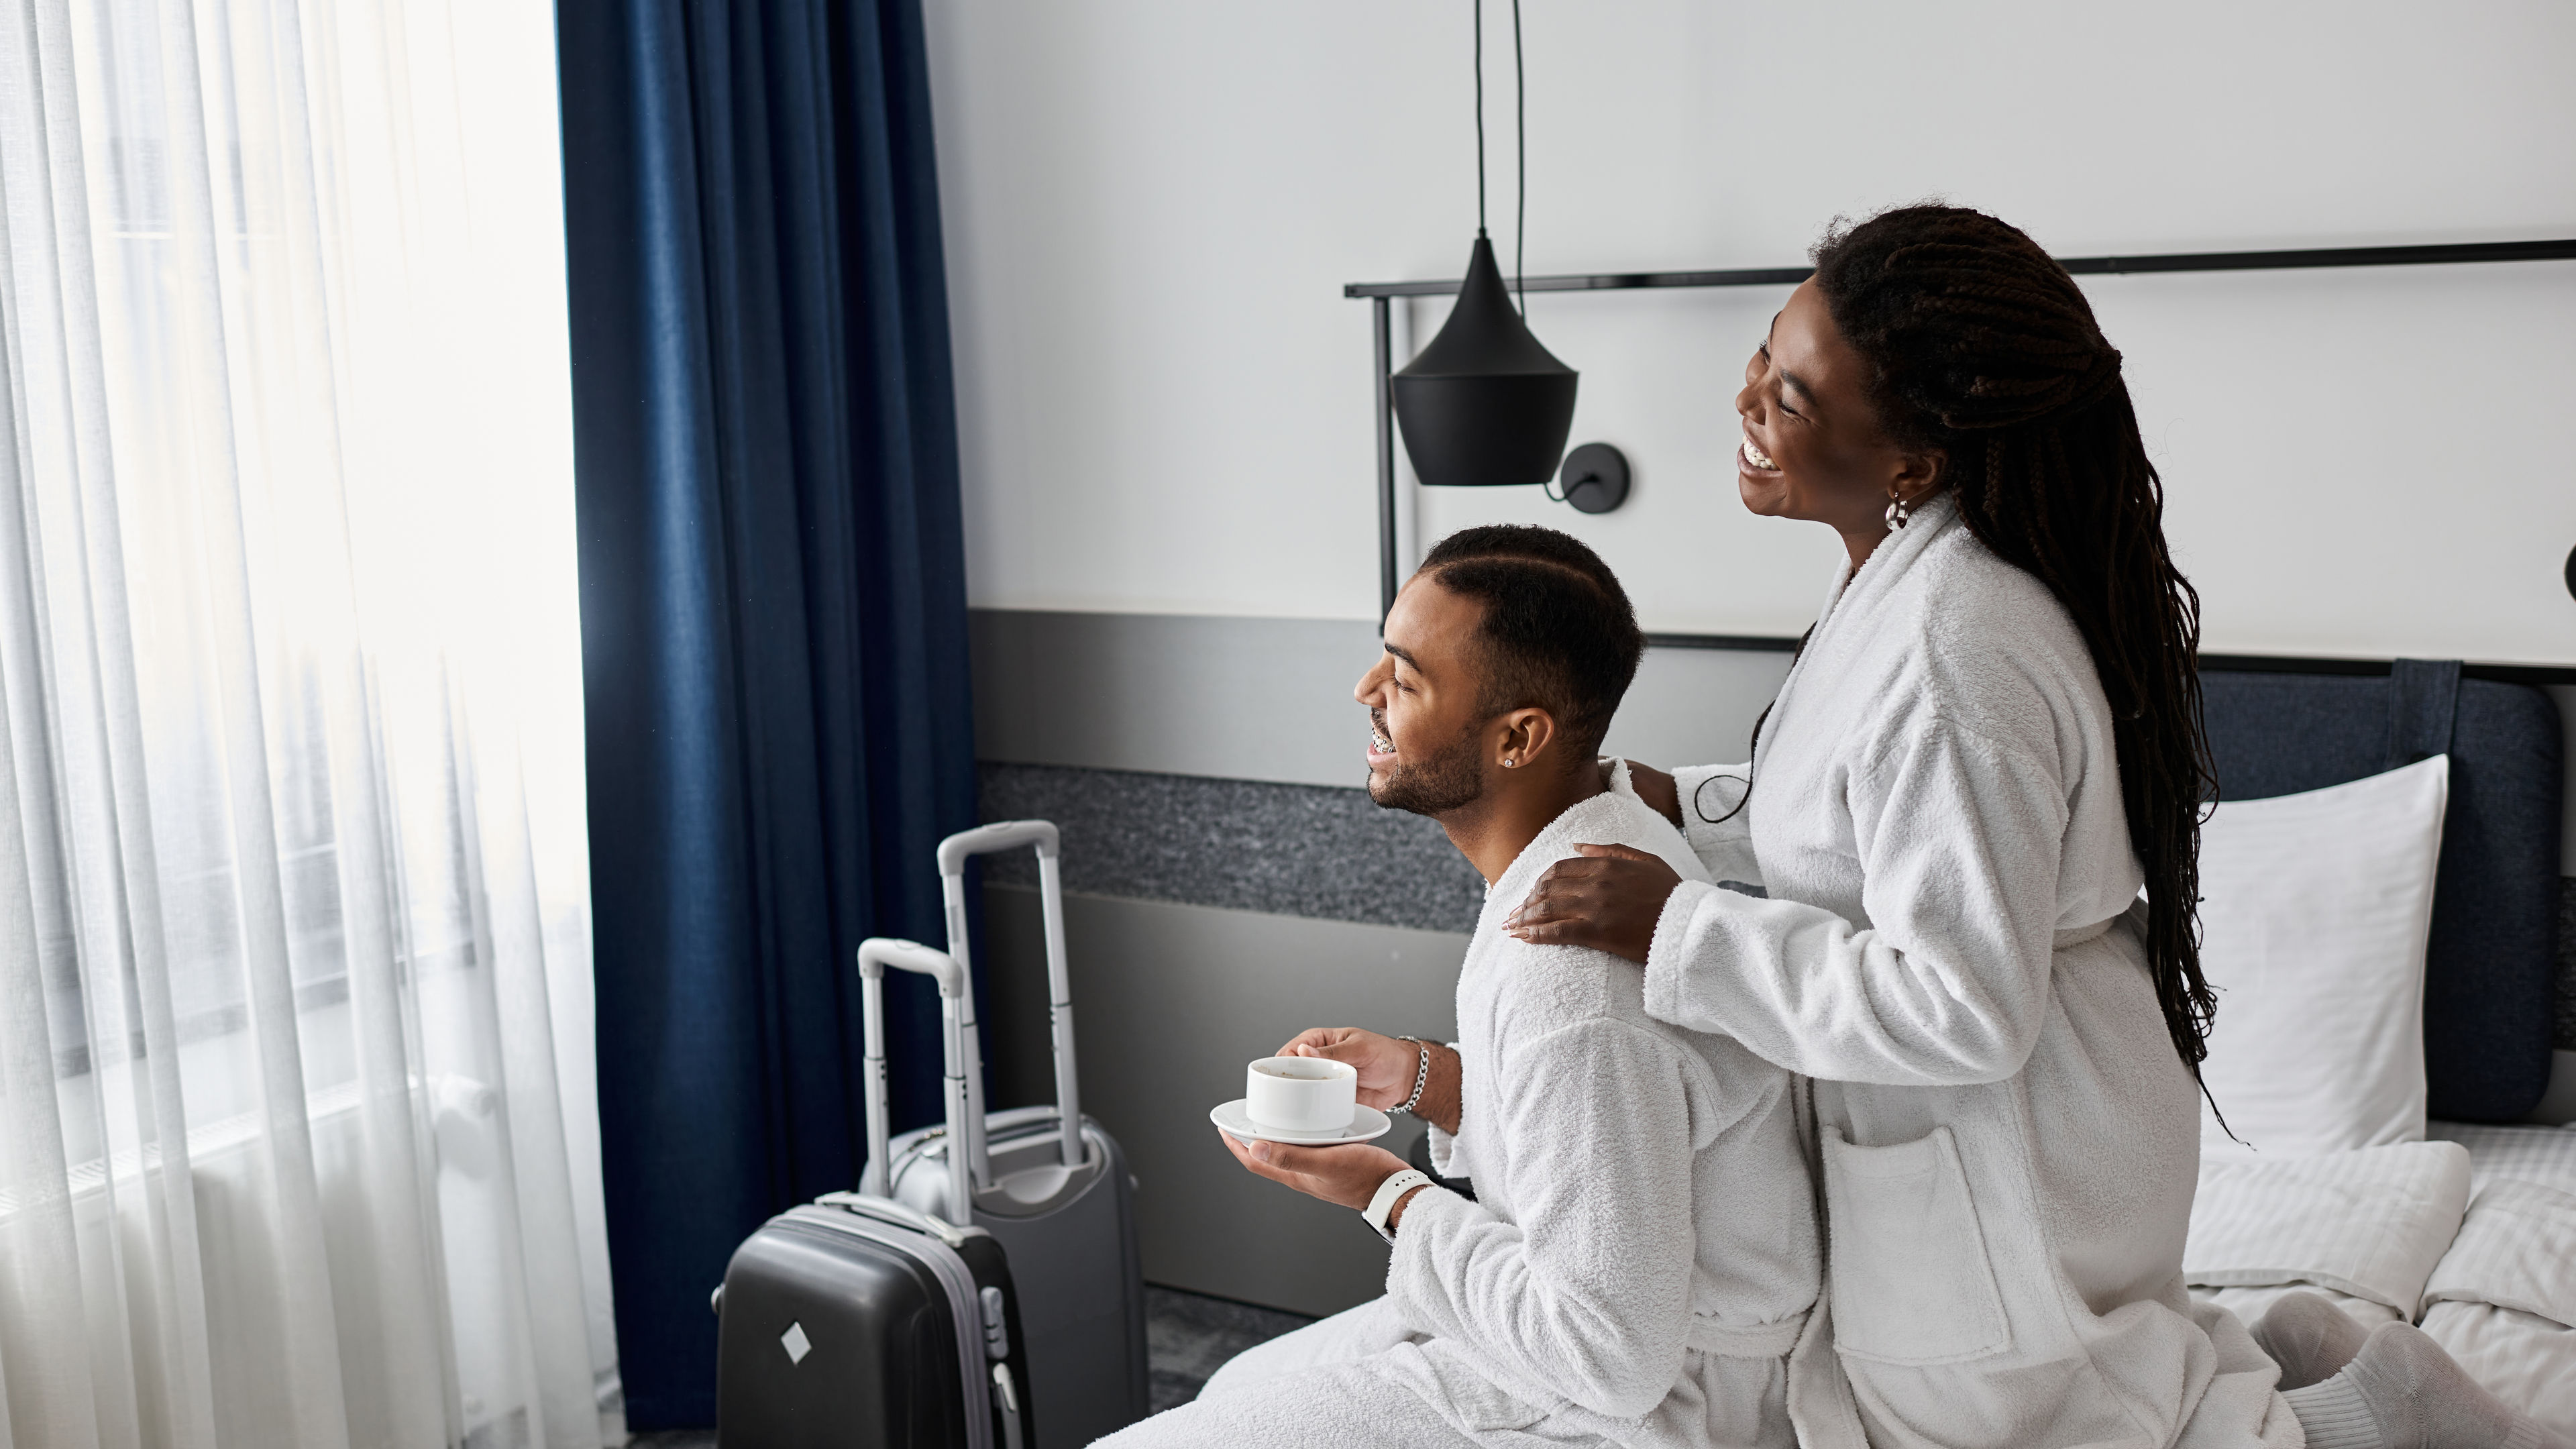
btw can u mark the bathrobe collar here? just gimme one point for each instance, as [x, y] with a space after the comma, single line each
[1894, 554]
[1596, 821]
[1856, 592]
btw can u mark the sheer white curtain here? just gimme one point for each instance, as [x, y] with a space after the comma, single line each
[297, 1137]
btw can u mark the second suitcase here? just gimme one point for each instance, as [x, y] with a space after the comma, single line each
[1059, 1201]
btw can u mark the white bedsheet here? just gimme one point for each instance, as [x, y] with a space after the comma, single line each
[2503, 1299]
[2545, 1155]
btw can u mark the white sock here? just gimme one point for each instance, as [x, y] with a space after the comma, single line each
[2335, 1416]
[2309, 1338]
[2403, 1392]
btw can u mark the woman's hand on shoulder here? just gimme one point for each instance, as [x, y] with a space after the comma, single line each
[1658, 790]
[1607, 898]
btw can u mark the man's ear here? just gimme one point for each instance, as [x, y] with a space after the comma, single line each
[1527, 734]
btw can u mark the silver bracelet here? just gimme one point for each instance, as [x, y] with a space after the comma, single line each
[1421, 1078]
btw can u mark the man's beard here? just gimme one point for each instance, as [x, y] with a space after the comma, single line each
[1447, 781]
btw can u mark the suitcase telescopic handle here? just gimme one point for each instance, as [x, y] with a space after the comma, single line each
[875, 954]
[953, 852]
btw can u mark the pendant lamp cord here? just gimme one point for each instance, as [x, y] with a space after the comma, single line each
[1480, 115]
[1520, 151]
[1520, 154]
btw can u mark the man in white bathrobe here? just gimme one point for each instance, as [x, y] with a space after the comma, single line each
[1639, 1260]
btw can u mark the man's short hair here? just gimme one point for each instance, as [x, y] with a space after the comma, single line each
[1558, 634]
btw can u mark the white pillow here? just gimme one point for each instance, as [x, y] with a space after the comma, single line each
[2314, 912]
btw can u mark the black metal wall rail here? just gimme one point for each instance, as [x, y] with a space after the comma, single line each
[2257, 663]
[1381, 294]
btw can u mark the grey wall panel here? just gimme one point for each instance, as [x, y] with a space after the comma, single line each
[1270, 699]
[1170, 1002]
[1299, 850]
[1247, 699]
[1695, 706]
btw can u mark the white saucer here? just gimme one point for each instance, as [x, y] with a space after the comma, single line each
[1367, 1123]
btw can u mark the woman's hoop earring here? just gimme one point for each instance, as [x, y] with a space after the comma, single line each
[1896, 510]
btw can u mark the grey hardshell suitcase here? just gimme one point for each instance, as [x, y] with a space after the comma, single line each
[859, 1321]
[1046, 1182]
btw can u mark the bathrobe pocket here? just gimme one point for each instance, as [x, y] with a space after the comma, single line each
[1910, 1279]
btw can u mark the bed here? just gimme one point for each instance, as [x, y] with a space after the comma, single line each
[2470, 1231]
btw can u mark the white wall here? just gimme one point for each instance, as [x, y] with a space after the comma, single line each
[1151, 206]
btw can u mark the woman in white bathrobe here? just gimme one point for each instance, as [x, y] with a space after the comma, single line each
[1989, 742]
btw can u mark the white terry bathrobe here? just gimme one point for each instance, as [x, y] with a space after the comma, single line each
[2009, 1140]
[1642, 1252]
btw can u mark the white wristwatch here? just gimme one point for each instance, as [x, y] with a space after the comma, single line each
[1389, 1193]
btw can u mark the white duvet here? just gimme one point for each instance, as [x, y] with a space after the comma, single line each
[2503, 1300]
[2472, 1235]
[2366, 1227]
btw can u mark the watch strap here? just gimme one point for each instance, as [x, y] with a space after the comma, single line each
[1389, 1193]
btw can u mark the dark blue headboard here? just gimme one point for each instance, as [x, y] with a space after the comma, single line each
[2490, 969]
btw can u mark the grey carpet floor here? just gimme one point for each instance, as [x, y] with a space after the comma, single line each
[1187, 1336]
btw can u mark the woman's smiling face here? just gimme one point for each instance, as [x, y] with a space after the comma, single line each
[1813, 447]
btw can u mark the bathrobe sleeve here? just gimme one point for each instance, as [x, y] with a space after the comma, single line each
[1959, 841]
[1720, 834]
[1449, 1155]
[1586, 1296]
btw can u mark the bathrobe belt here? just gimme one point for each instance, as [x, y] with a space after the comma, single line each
[2063, 940]
[2081, 934]
[1759, 1340]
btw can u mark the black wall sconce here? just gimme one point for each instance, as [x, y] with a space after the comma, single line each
[1595, 478]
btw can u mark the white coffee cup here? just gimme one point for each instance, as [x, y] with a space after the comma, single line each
[1301, 1094]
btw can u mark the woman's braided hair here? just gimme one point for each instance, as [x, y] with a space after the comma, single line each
[1983, 347]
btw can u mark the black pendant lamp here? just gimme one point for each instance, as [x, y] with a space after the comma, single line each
[1485, 405]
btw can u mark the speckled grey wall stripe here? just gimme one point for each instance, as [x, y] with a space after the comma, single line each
[1297, 850]
[1308, 850]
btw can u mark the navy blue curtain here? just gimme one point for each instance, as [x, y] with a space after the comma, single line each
[773, 612]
